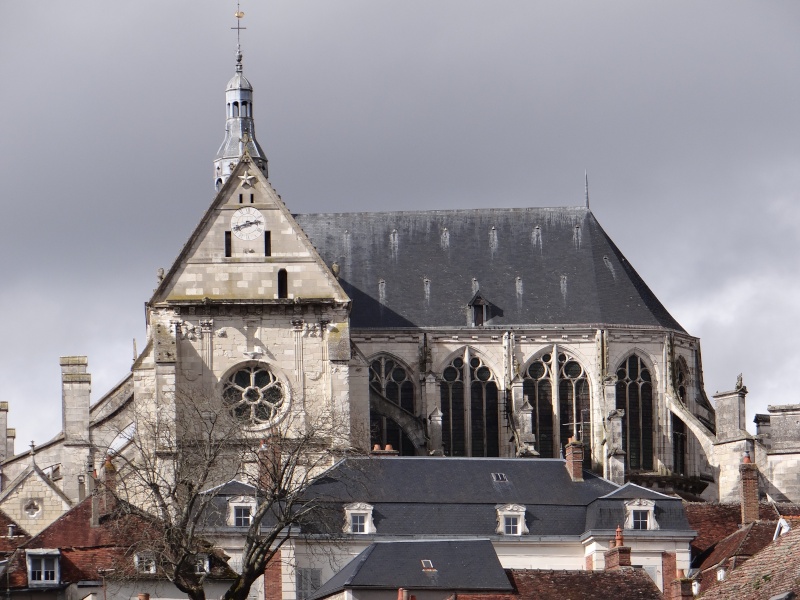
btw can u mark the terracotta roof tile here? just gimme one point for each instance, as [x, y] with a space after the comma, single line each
[624, 584]
[775, 570]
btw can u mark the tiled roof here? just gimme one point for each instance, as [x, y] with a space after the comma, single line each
[773, 571]
[9, 544]
[467, 565]
[714, 521]
[87, 548]
[623, 584]
[733, 550]
[532, 265]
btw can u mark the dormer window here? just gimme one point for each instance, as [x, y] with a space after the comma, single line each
[511, 525]
[241, 516]
[43, 567]
[640, 515]
[511, 519]
[358, 518]
[240, 511]
[479, 309]
[201, 564]
[145, 562]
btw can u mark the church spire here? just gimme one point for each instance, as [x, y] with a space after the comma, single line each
[240, 132]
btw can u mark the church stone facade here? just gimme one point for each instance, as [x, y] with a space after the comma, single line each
[459, 333]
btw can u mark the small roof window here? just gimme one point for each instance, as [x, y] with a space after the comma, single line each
[501, 477]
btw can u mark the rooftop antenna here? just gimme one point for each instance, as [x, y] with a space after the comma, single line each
[239, 15]
[586, 177]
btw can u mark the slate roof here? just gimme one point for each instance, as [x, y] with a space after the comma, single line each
[458, 496]
[773, 571]
[466, 565]
[216, 513]
[533, 265]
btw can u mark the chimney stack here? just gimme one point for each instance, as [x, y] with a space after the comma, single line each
[618, 555]
[681, 588]
[574, 456]
[3, 431]
[104, 498]
[11, 435]
[748, 474]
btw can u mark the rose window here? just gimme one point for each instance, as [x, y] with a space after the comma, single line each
[254, 395]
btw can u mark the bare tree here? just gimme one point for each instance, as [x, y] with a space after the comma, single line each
[175, 458]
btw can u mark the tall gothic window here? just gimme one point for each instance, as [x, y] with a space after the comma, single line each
[572, 400]
[679, 446]
[537, 387]
[635, 397]
[681, 379]
[391, 379]
[470, 408]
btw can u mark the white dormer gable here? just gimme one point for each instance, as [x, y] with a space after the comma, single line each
[640, 514]
[511, 519]
[358, 518]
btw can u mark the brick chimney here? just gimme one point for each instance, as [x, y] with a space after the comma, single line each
[104, 498]
[619, 555]
[574, 456]
[681, 588]
[748, 474]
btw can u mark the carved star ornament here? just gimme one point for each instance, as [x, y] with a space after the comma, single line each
[247, 179]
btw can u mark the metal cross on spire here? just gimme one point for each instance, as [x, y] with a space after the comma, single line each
[238, 14]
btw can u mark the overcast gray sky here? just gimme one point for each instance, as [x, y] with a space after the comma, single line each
[684, 113]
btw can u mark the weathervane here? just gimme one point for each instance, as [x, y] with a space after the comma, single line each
[238, 14]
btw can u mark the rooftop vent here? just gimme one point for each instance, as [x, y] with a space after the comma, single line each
[499, 477]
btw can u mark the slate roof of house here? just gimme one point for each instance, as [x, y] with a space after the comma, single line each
[216, 515]
[458, 496]
[533, 265]
[465, 565]
[773, 571]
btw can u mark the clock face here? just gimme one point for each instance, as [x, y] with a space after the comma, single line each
[247, 223]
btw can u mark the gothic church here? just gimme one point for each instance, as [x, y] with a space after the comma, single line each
[455, 333]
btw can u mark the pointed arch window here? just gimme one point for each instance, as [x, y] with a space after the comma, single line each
[679, 446]
[635, 397]
[573, 400]
[567, 375]
[470, 408]
[393, 381]
[682, 380]
[537, 387]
